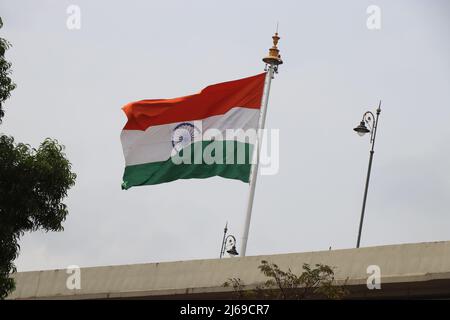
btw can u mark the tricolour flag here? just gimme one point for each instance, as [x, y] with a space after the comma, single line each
[188, 137]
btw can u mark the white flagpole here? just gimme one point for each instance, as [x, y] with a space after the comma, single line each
[272, 61]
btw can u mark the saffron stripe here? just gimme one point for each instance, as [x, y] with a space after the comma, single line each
[213, 100]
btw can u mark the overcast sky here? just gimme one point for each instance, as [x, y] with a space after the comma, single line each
[71, 85]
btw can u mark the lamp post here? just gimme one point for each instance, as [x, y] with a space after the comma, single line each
[229, 240]
[371, 121]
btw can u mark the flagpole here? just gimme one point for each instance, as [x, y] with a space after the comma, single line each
[272, 61]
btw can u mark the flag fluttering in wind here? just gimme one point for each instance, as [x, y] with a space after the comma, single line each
[189, 137]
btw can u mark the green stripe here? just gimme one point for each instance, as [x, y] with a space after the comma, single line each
[166, 171]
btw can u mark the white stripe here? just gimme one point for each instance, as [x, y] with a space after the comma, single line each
[155, 143]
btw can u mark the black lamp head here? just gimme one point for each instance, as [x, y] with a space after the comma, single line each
[233, 251]
[361, 129]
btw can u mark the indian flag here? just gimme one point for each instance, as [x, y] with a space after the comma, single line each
[191, 137]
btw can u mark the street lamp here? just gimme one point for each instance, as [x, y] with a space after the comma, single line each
[227, 242]
[370, 120]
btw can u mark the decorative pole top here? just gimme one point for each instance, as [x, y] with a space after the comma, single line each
[274, 57]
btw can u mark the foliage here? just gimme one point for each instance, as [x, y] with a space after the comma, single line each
[6, 84]
[32, 186]
[238, 288]
[313, 282]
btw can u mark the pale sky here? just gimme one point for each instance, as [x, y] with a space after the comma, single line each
[71, 85]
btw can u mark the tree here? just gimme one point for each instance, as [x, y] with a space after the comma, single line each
[313, 282]
[33, 183]
[6, 84]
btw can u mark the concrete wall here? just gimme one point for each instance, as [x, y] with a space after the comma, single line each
[408, 270]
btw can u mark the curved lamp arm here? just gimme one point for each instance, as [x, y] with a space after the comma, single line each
[369, 119]
[230, 239]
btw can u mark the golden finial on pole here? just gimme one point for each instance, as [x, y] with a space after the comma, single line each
[274, 57]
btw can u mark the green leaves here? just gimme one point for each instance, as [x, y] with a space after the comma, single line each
[6, 84]
[33, 183]
[313, 282]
